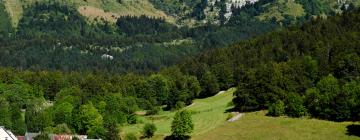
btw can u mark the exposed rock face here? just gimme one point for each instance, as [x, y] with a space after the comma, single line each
[232, 4]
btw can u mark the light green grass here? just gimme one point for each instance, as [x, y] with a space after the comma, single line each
[257, 126]
[207, 115]
[281, 8]
[111, 7]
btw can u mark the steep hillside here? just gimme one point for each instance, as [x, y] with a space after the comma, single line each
[108, 9]
[218, 11]
[135, 41]
[190, 12]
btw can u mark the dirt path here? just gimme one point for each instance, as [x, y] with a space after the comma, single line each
[235, 118]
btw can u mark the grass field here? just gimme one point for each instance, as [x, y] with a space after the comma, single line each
[257, 126]
[208, 114]
[210, 122]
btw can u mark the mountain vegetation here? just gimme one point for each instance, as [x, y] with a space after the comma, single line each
[312, 69]
[61, 73]
[53, 36]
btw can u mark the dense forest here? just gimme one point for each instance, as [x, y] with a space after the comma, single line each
[54, 36]
[312, 69]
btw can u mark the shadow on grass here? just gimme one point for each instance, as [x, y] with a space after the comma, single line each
[353, 130]
[244, 110]
[177, 138]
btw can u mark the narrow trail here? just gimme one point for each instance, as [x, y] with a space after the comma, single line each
[237, 117]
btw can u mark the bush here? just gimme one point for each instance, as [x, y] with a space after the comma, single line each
[153, 111]
[132, 119]
[149, 130]
[277, 108]
[130, 136]
[182, 124]
[295, 107]
[179, 105]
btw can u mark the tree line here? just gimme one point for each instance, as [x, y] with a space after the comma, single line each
[311, 69]
[54, 36]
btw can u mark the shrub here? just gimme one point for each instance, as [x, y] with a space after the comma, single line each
[295, 107]
[179, 105]
[182, 124]
[277, 108]
[132, 119]
[149, 130]
[153, 111]
[130, 136]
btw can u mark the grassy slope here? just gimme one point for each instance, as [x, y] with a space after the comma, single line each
[281, 8]
[97, 8]
[257, 126]
[210, 124]
[14, 8]
[207, 115]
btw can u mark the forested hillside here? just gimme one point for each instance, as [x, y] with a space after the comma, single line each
[56, 35]
[311, 70]
[53, 36]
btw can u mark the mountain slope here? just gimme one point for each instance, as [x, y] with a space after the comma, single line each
[93, 8]
[138, 43]
[187, 12]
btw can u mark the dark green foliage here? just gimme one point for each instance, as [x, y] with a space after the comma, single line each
[143, 25]
[277, 108]
[111, 126]
[295, 106]
[182, 124]
[5, 21]
[210, 85]
[54, 36]
[5, 115]
[149, 130]
[296, 60]
[132, 119]
[34, 115]
[18, 123]
[314, 7]
[153, 111]
[42, 136]
[130, 136]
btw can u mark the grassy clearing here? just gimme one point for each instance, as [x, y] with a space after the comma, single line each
[281, 8]
[210, 124]
[113, 9]
[257, 126]
[207, 115]
[95, 8]
[14, 8]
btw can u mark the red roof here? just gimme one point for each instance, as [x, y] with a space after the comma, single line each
[62, 137]
[20, 137]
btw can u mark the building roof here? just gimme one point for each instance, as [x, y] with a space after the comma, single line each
[12, 136]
